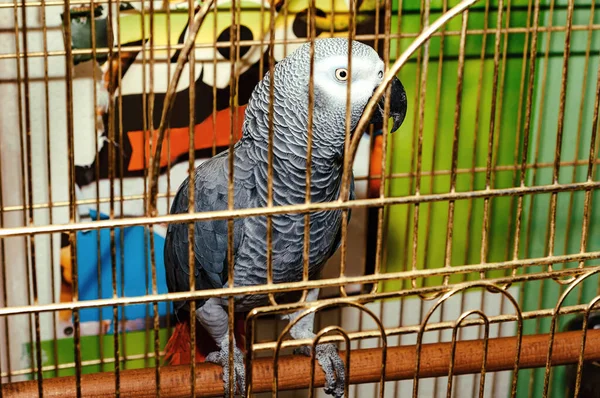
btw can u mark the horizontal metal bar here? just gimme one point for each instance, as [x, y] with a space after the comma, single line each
[409, 11]
[71, 365]
[179, 46]
[301, 208]
[393, 176]
[283, 287]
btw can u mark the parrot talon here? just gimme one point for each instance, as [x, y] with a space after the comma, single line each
[303, 350]
[332, 365]
[239, 374]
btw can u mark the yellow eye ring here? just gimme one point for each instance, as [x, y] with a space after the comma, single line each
[341, 74]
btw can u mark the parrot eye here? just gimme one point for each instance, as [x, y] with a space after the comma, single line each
[380, 74]
[341, 74]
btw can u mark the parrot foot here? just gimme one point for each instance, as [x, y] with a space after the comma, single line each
[239, 372]
[332, 365]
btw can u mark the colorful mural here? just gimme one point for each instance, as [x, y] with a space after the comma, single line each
[123, 88]
[126, 79]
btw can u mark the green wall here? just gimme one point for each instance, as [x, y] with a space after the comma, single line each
[474, 139]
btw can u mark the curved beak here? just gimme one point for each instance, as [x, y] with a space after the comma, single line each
[398, 105]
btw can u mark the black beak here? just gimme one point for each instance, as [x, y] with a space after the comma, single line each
[397, 105]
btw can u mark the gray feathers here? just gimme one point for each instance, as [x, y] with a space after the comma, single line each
[210, 237]
[290, 120]
[332, 82]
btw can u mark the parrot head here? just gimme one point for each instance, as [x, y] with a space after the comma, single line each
[332, 77]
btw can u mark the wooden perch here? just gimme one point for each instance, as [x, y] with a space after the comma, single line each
[294, 371]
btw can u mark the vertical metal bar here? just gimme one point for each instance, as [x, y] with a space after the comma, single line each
[436, 124]
[261, 21]
[234, 56]
[487, 204]
[22, 133]
[368, 232]
[214, 88]
[491, 135]
[271, 127]
[412, 149]
[168, 193]
[517, 228]
[380, 210]
[386, 176]
[376, 33]
[503, 299]
[311, 382]
[97, 175]
[344, 230]
[560, 128]
[146, 150]
[332, 25]
[419, 126]
[384, 145]
[544, 87]
[453, 174]
[478, 108]
[285, 27]
[27, 173]
[417, 150]
[155, 313]
[486, 335]
[370, 212]
[455, 139]
[167, 60]
[501, 92]
[123, 330]
[49, 177]
[311, 103]
[111, 176]
[191, 199]
[536, 159]
[4, 284]
[521, 171]
[373, 213]
[515, 372]
[525, 155]
[250, 332]
[72, 197]
[382, 185]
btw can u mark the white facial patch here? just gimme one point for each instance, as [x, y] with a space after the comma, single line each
[363, 79]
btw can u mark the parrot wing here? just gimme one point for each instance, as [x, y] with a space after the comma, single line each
[210, 237]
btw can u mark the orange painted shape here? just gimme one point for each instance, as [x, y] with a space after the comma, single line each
[375, 166]
[179, 141]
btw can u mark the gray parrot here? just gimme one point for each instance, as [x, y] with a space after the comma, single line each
[290, 146]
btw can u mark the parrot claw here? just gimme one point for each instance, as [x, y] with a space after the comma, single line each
[332, 365]
[239, 372]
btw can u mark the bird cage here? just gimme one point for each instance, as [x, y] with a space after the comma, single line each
[469, 266]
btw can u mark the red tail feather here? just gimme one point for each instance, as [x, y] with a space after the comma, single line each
[177, 350]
